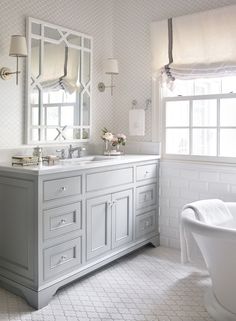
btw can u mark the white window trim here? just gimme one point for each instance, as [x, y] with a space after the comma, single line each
[158, 125]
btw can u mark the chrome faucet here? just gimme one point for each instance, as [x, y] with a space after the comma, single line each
[62, 152]
[72, 149]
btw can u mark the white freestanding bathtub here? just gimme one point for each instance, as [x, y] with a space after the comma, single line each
[218, 247]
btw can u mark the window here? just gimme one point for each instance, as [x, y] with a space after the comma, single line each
[60, 114]
[200, 118]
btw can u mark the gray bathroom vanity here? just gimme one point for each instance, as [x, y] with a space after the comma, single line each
[58, 223]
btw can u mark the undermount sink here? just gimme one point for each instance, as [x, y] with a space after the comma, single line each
[85, 160]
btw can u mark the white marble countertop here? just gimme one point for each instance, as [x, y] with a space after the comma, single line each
[82, 163]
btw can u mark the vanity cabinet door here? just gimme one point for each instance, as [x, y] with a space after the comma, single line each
[98, 226]
[122, 218]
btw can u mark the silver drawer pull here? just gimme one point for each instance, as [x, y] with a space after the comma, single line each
[63, 188]
[63, 258]
[109, 204]
[63, 221]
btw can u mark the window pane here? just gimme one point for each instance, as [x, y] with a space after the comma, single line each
[69, 98]
[228, 85]
[205, 113]
[180, 88]
[177, 113]
[177, 141]
[35, 116]
[52, 116]
[52, 134]
[35, 134]
[204, 142]
[227, 137]
[228, 112]
[56, 96]
[67, 115]
[207, 86]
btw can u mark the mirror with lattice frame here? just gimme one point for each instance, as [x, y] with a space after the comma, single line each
[58, 84]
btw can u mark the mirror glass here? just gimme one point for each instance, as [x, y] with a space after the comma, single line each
[59, 83]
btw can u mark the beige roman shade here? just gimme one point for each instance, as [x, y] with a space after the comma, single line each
[203, 44]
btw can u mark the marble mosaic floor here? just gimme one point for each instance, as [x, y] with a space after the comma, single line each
[150, 284]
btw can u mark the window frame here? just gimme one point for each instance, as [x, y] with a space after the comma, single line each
[191, 98]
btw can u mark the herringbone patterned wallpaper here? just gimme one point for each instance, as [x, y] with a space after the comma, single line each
[119, 26]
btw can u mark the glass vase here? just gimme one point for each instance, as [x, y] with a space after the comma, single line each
[107, 148]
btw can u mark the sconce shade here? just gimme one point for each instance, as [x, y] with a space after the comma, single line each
[18, 46]
[111, 67]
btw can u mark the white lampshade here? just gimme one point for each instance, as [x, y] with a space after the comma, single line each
[111, 66]
[18, 46]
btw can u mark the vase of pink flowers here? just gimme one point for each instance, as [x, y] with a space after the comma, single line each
[114, 143]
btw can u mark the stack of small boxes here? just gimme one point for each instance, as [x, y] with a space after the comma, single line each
[25, 160]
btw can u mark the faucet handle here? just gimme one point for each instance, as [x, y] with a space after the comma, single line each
[63, 153]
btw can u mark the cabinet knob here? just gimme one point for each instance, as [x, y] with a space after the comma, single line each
[109, 203]
[63, 221]
[146, 173]
[63, 258]
[63, 188]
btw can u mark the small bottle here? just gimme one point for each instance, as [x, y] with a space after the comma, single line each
[38, 152]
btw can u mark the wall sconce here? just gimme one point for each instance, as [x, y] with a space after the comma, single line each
[111, 68]
[18, 49]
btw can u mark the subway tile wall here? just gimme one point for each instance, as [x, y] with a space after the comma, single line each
[182, 183]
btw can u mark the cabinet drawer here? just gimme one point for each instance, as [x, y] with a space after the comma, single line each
[61, 258]
[146, 196]
[145, 224]
[62, 187]
[61, 220]
[103, 180]
[146, 172]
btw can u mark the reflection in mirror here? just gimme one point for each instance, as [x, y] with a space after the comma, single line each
[59, 82]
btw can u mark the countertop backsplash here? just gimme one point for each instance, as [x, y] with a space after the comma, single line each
[130, 148]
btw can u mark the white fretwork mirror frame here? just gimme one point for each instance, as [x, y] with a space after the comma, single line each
[34, 82]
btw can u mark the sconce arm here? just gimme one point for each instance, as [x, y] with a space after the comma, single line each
[5, 73]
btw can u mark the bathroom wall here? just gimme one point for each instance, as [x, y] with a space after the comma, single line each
[93, 17]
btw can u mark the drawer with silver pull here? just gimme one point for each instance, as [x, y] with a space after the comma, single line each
[63, 187]
[61, 220]
[147, 171]
[146, 196]
[62, 258]
[145, 224]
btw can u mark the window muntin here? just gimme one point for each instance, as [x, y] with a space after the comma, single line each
[200, 124]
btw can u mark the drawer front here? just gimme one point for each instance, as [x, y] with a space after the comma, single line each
[146, 172]
[62, 187]
[146, 196]
[62, 220]
[103, 180]
[58, 259]
[145, 224]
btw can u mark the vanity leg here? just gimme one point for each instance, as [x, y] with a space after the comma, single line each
[155, 241]
[36, 299]
[39, 299]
